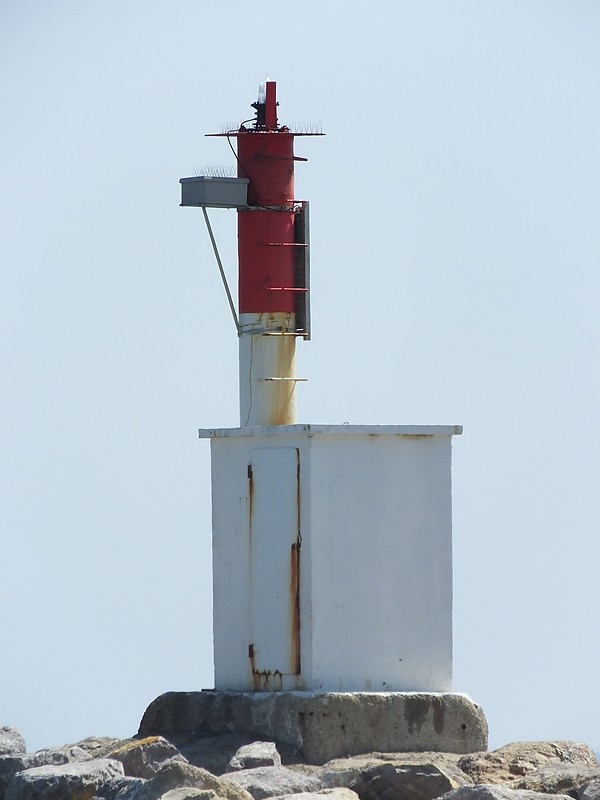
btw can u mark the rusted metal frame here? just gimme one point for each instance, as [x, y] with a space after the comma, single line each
[222, 271]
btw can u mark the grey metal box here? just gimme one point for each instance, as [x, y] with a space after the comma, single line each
[214, 192]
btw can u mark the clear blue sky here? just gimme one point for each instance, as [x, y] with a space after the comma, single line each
[455, 254]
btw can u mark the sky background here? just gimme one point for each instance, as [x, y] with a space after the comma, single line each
[455, 251]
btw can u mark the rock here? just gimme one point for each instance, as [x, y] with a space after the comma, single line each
[11, 742]
[343, 771]
[264, 782]
[591, 791]
[188, 794]
[559, 779]
[324, 794]
[67, 754]
[99, 746]
[402, 782]
[119, 789]
[143, 758]
[256, 754]
[176, 775]
[10, 765]
[215, 752]
[74, 781]
[507, 764]
[328, 725]
[495, 792]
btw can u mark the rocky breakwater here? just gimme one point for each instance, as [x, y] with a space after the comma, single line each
[230, 766]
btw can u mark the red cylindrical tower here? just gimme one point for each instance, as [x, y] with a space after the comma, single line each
[266, 242]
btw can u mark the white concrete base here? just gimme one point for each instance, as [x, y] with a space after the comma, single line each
[328, 725]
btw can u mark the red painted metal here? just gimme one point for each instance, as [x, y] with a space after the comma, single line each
[271, 105]
[266, 158]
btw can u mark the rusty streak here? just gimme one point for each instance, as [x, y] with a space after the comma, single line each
[295, 606]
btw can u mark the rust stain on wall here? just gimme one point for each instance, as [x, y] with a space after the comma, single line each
[295, 607]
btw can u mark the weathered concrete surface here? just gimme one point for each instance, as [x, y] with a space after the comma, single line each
[328, 725]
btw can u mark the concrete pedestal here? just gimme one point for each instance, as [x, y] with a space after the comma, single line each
[322, 726]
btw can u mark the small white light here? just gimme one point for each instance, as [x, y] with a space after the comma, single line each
[262, 91]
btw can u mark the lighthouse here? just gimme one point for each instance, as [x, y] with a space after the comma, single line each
[332, 544]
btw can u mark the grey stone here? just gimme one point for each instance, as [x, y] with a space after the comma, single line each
[189, 794]
[10, 765]
[402, 782]
[143, 758]
[119, 789]
[210, 752]
[11, 742]
[74, 781]
[494, 792]
[509, 763]
[325, 794]
[176, 774]
[343, 771]
[329, 725]
[99, 746]
[264, 782]
[559, 779]
[590, 791]
[256, 754]
[67, 754]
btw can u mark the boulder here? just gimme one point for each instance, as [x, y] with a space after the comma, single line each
[99, 746]
[11, 742]
[215, 752]
[74, 781]
[67, 754]
[143, 758]
[176, 775]
[591, 791]
[343, 771]
[324, 794]
[559, 779]
[256, 754]
[119, 789]
[189, 794]
[10, 765]
[402, 782]
[495, 792]
[263, 782]
[509, 763]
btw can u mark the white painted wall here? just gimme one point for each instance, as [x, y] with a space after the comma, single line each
[372, 506]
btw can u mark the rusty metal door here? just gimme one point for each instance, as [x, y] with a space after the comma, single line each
[274, 492]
